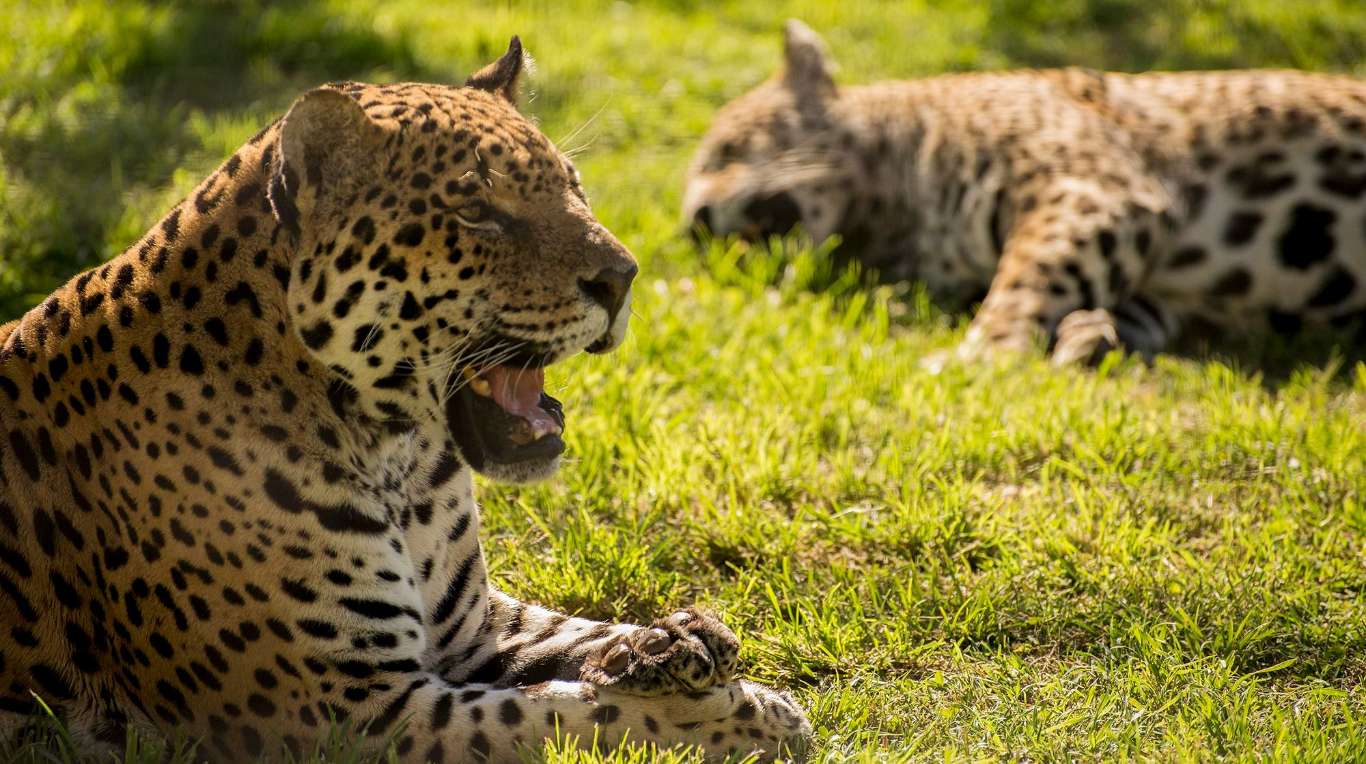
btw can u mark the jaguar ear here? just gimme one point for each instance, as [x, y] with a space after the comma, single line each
[503, 76]
[809, 69]
[326, 143]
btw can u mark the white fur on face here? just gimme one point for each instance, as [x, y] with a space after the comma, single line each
[532, 471]
[616, 333]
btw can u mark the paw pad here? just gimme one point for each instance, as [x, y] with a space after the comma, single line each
[684, 652]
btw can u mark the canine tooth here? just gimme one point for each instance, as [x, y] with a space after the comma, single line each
[546, 429]
[477, 383]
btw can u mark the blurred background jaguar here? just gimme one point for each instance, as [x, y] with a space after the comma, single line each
[1091, 209]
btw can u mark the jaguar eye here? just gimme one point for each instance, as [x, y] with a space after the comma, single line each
[475, 214]
[725, 154]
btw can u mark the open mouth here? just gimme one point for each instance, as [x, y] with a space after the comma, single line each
[501, 415]
[770, 215]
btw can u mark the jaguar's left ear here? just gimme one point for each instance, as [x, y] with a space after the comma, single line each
[504, 75]
[809, 70]
[327, 146]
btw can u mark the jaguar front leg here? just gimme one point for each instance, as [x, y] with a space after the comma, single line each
[528, 644]
[1071, 254]
[521, 644]
[482, 723]
[668, 684]
[1138, 325]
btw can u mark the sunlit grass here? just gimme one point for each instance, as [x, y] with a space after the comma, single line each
[989, 562]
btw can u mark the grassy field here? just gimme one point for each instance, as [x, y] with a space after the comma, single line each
[1008, 562]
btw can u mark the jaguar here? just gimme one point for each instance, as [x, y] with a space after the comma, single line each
[1084, 210]
[236, 460]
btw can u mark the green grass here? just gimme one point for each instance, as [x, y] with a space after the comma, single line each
[1008, 562]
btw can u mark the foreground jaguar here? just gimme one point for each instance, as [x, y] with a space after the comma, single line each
[1092, 209]
[235, 461]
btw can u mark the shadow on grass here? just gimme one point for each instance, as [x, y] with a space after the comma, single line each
[791, 264]
[1278, 359]
[117, 103]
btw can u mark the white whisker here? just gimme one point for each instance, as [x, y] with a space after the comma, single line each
[586, 123]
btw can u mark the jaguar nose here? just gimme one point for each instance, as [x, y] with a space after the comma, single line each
[610, 286]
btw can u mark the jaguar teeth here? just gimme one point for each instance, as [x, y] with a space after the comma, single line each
[478, 384]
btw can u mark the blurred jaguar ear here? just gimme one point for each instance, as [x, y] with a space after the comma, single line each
[809, 68]
[326, 143]
[502, 76]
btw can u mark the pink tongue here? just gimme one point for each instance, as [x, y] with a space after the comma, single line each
[518, 391]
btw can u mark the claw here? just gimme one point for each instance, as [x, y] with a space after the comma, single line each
[655, 641]
[616, 659]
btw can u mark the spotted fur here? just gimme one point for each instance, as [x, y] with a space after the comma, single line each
[1139, 203]
[230, 500]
